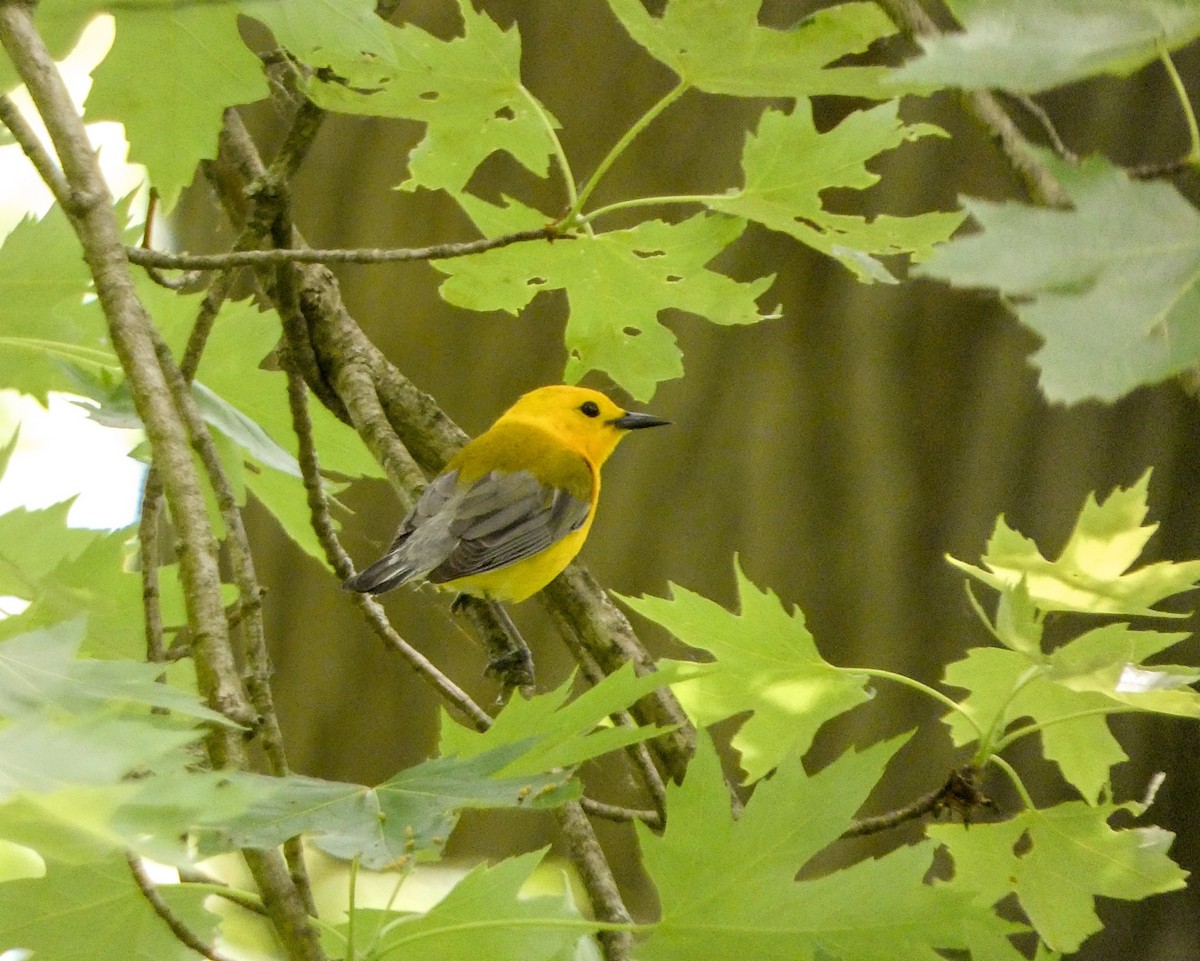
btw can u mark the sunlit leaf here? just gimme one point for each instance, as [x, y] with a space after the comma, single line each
[1091, 574]
[609, 329]
[720, 46]
[202, 66]
[766, 662]
[788, 164]
[563, 732]
[466, 90]
[1058, 861]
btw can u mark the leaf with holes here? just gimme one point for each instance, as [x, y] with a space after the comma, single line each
[617, 284]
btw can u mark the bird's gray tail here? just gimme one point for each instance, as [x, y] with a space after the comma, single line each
[391, 570]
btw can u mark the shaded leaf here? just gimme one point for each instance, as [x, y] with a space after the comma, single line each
[1002, 47]
[1068, 856]
[95, 912]
[739, 897]
[386, 825]
[1110, 285]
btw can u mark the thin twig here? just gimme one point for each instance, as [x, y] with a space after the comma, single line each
[163, 910]
[339, 560]
[620, 814]
[1038, 112]
[960, 793]
[25, 136]
[597, 877]
[307, 255]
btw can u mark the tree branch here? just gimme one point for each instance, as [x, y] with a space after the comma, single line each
[181, 931]
[93, 217]
[307, 255]
[960, 793]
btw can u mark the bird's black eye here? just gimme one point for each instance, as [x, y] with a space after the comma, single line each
[590, 408]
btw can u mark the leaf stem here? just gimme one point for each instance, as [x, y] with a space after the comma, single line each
[350, 892]
[612, 208]
[1015, 778]
[583, 925]
[1028, 729]
[560, 155]
[986, 745]
[916, 685]
[621, 145]
[1193, 156]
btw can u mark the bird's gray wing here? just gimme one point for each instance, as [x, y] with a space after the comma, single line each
[422, 542]
[504, 518]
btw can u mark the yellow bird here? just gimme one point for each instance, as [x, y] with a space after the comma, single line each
[515, 505]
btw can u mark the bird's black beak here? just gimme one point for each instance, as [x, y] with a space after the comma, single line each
[634, 421]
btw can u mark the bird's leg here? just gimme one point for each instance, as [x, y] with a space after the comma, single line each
[509, 658]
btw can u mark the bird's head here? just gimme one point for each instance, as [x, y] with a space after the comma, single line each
[583, 419]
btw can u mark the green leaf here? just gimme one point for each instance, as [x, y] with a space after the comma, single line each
[563, 733]
[233, 367]
[1068, 857]
[788, 164]
[19, 861]
[766, 662]
[94, 582]
[33, 543]
[1002, 47]
[719, 46]
[1110, 285]
[203, 66]
[40, 672]
[69, 824]
[1089, 575]
[727, 888]
[485, 908]
[466, 90]
[39, 756]
[44, 323]
[95, 912]
[387, 825]
[617, 283]
[1098, 673]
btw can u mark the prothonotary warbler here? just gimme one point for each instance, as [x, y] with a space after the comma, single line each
[514, 506]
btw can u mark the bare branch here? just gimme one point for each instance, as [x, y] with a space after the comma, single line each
[306, 255]
[960, 793]
[150, 892]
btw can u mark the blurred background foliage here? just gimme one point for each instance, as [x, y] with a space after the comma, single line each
[839, 451]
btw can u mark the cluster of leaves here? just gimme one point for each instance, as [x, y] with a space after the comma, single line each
[468, 93]
[99, 753]
[1114, 306]
[97, 757]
